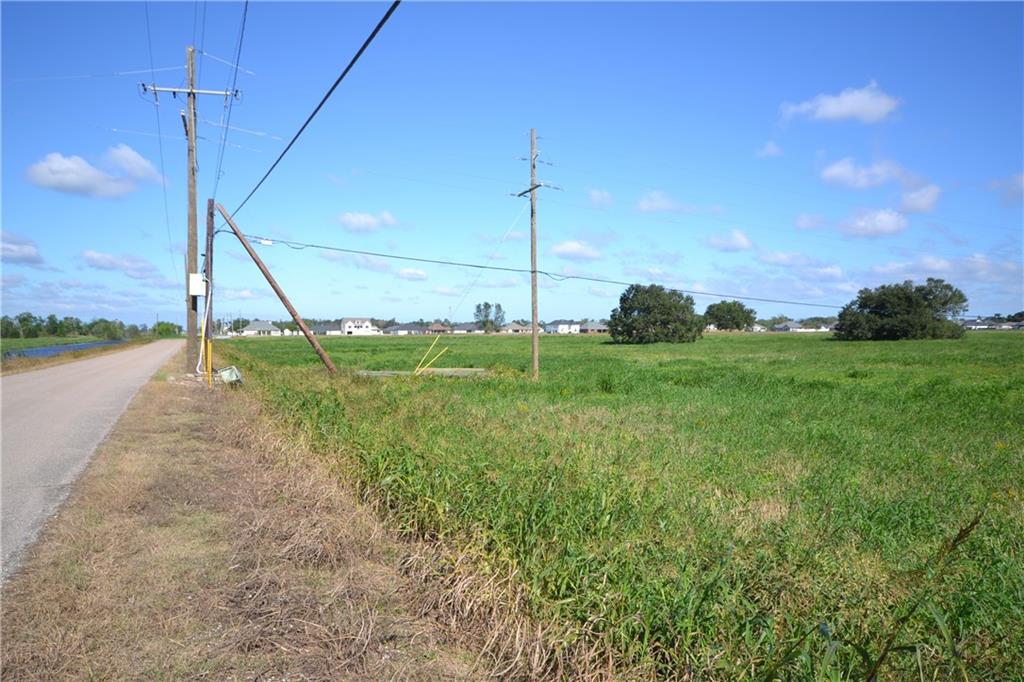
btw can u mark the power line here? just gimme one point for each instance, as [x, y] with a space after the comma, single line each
[323, 101]
[229, 102]
[112, 74]
[160, 144]
[299, 246]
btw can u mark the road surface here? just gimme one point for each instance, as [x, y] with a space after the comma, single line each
[52, 420]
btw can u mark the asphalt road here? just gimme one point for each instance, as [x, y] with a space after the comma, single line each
[52, 419]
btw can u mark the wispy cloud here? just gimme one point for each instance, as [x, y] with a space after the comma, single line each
[366, 222]
[358, 261]
[18, 250]
[75, 175]
[874, 223]
[446, 291]
[657, 201]
[921, 200]
[232, 294]
[599, 198]
[412, 274]
[575, 250]
[735, 240]
[809, 221]
[768, 149]
[867, 105]
[848, 174]
[783, 258]
[1011, 189]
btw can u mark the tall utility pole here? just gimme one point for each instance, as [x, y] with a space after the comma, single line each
[191, 302]
[192, 290]
[535, 346]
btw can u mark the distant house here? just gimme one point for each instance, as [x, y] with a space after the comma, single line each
[593, 328]
[358, 326]
[468, 328]
[438, 328]
[404, 329]
[562, 327]
[758, 328]
[260, 328]
[787, 326]
[516, 328]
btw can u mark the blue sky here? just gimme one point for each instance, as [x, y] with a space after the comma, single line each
[794, 151]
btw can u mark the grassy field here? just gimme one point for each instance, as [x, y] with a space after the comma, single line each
[39, 342]
[749, 506]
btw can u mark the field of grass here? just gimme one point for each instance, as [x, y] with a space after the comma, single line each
[39, 342]
[746, 507]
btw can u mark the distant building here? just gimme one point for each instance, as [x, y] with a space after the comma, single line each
[758, 328]
[516, 328]
[404, 329]
[327, 329]
[787, 326]
[562, 327]
[358, 326]
[468, 328]
[593, 327]
[438, 328]
[260, 328]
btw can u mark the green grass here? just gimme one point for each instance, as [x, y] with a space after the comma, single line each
[748, 506]
[39, 342]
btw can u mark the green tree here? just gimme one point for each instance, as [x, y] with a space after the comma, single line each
[1016, 317]
[9, 328]
[903, 311]
[499, 316]
[52, 325]
[730, 315]
[70, 326]
[652, 313]
[163, 329]
[488, 316]
[29, 325]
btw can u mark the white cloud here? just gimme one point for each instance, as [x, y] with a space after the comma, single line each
[366, 222]
[18, 250]
[867, 105]
[809, 221]
[135, 267]
[847, 173]
[831, 272]
[599, 198]
[1011, 188]
[75, 175]
[447, 291]
[783, 258]
[239, 294]
[647, 273]
[735, 240]
[11, 281]
[974, 268]
[769, 149]
[131, 163]
[657, 201]
[575, 250]
[874, 223]
[412, 274]
[921, 200]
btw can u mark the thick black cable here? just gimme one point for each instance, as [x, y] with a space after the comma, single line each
[323, 101]
[299, 246]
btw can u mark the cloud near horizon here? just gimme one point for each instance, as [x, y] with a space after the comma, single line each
[18, 250]
[735, 240]
[874, 223]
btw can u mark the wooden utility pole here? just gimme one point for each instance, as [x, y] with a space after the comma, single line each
[191, 302]
[533, 253]
[191, 250]
[280, 293]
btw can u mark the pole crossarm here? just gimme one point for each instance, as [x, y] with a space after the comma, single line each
[188, 91]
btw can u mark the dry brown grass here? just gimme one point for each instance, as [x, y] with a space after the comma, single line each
[17, 364]
[197, 547]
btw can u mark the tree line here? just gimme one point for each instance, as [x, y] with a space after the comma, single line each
[652, 313]
[29, 326]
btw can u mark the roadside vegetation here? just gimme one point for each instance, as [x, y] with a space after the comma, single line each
[747, 507]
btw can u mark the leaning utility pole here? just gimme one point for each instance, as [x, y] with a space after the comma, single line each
[533, 253]
[193, 281]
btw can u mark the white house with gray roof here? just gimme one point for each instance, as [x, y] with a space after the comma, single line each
[562, 327]
[260, 328]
